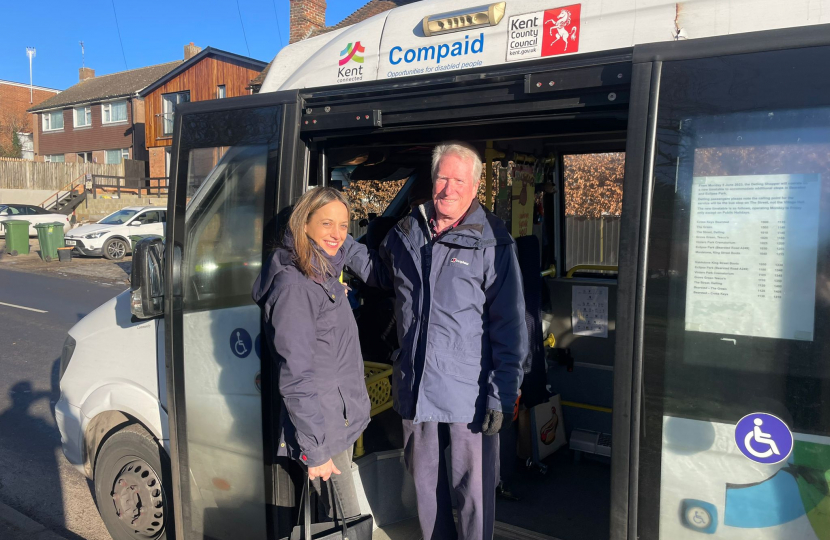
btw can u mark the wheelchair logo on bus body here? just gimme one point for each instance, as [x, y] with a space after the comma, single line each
[241, 343]
[763, 438]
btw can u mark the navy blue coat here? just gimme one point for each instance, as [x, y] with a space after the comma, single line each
[312, 330]
[460, 312]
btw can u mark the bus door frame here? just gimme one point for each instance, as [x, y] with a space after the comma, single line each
[284, 184]
[637, 199]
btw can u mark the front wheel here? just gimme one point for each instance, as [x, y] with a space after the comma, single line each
[115, 249]
[132, 487]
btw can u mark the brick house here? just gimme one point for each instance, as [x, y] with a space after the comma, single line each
[307, 19]
[208, 74]
[15, 99]
[99, 120]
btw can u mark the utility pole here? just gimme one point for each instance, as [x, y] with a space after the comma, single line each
[30, 52]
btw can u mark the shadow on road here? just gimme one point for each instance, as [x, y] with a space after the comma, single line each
[31, 439]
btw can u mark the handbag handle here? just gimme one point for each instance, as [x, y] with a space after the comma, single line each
[307, 510]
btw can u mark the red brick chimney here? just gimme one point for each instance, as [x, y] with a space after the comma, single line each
[85, 73]
[191, 50]
[305, 17]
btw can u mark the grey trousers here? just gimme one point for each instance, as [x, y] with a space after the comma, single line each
[345, 487]
[474, 462]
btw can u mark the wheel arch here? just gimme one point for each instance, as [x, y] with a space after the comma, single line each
[111, 408]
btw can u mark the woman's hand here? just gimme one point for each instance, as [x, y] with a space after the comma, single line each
[324, 471]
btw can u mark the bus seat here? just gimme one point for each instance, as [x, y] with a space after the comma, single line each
[530, 260]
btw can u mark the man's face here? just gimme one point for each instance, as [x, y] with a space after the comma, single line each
[453, 188]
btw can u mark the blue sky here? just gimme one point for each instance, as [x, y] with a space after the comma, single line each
[153, 32]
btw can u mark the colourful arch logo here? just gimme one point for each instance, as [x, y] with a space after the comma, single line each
[350, 53]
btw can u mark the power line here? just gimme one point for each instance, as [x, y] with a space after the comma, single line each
[243, 28]
[119, 34]
[279, 32]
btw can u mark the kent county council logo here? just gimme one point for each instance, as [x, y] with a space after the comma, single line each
[561, 29]
[352, 53]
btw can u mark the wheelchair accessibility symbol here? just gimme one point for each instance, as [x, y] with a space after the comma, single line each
[241, 343]
[763, 438]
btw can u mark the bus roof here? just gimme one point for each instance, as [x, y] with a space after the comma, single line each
[394, 44]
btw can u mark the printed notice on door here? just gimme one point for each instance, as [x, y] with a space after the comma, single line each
[589, 314]
[753, 244]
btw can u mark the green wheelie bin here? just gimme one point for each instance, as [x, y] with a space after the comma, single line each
[17, 236]
[57, 235]
[47, 240]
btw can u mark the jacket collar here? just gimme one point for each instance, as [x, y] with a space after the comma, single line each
[479, 229]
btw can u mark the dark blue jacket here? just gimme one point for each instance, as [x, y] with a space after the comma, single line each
[313, 332]
[460, 313]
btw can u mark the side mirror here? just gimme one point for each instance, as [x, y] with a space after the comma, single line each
[146, 279]
[135, 223]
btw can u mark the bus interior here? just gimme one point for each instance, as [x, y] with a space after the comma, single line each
[573, 175]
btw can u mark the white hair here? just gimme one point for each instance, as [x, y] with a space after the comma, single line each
[460, 149]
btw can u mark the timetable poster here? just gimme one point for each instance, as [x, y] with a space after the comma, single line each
[753, 244]
[589, 315]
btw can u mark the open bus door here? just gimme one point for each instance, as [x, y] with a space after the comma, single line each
[728, 269]
[234, 162]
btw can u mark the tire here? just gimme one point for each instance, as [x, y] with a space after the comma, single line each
[132, 486]
[115, 249]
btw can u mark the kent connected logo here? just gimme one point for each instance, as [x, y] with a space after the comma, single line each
[352, 53]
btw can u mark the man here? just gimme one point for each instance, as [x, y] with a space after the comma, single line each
[462, 335]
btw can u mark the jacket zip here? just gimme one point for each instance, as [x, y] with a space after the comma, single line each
[345, 410]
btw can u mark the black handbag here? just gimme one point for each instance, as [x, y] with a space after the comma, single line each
[356, 528]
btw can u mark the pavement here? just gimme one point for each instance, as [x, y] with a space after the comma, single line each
[93, 269]
[36, 481]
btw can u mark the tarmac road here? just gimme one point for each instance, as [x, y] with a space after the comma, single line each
[35, 478]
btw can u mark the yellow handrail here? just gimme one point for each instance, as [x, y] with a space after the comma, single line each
[580, 267]
[585, 406]
[550, 271]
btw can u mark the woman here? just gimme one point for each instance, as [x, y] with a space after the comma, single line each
[311, 329]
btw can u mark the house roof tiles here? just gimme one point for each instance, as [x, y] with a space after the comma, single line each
[114, 85]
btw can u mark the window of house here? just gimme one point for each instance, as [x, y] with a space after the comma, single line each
[169, 103]
[220, 91]
[52, 120]
[593, 205]
[114, 157]
[83, 116]
[113, 112]
[55, 158]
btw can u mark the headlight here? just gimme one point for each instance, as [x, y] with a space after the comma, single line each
[98, 234]
[66, 355]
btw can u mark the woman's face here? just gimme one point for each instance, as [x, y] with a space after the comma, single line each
[328, 226]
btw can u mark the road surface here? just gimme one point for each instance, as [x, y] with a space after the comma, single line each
[36, 311]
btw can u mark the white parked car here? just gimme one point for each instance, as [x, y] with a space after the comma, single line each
[33, 214]
[110, 237]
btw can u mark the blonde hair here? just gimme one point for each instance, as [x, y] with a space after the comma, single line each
[460, 149]
[307, 255]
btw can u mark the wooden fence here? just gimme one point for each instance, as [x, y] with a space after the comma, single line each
[55, 176]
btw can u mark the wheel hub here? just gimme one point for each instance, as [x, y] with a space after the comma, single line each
[138, 498]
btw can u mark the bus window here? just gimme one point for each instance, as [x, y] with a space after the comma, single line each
[736, 438]
[223, 243]
[593, 206]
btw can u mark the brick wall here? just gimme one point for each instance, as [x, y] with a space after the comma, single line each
[305, 17]
[14, 101]
[98, 136]
[158, 162]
